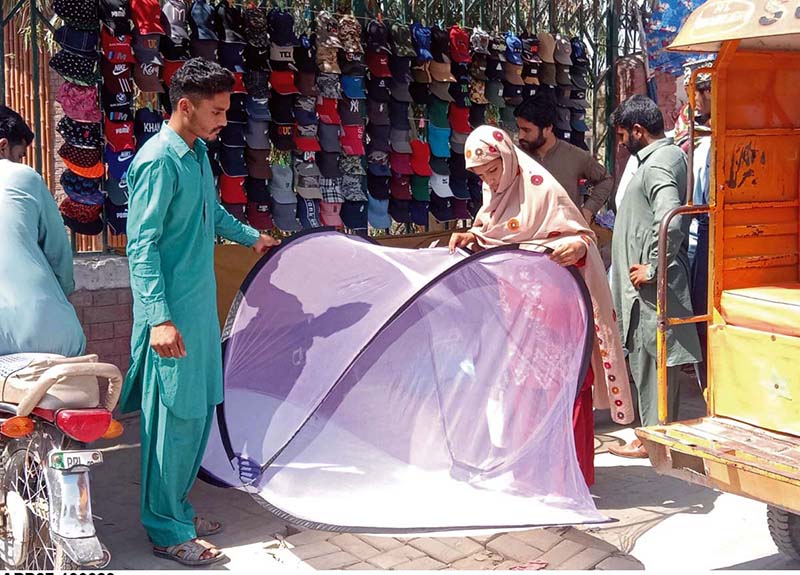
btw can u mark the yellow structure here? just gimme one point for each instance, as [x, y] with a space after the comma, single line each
[749, 443]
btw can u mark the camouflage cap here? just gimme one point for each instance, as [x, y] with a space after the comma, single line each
[400, 38]
[329, 86]
[350, 34]
[353, 188]
[306, 103]
[477, 92]
[328, 31]
[328, 61]
[351, 165]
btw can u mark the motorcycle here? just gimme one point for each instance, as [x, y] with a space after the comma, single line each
[51, 408]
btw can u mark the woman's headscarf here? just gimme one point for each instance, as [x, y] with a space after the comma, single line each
[529, 206]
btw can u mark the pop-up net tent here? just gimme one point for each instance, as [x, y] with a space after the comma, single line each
[387, 390]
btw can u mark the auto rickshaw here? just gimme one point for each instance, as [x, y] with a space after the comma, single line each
[749, 442]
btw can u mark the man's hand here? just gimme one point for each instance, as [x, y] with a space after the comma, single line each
[264, 243]
[167, 341]
[569, 253]
[587, 215]
[461, 240]
[638, 274]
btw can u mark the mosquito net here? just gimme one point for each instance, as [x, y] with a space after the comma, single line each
[388, 390]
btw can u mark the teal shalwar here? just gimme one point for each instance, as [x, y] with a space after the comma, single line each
[36, 273]
[173, 217]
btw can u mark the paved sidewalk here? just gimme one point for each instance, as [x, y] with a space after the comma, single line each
[661, 523]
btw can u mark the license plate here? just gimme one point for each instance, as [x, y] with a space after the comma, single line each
[66, 460]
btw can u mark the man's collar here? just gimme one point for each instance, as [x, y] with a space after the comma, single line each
[178, 144]
[643, 154]
[551, 150]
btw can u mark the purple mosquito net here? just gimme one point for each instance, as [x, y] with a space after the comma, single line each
[386, 390]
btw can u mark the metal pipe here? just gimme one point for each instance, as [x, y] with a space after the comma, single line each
[37, 111]
[661, 305]
[2, 56]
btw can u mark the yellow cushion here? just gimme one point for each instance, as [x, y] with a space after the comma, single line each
[774, 308]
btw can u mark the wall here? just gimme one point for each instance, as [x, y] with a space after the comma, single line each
[102, 300]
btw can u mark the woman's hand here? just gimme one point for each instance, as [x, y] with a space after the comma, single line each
[569, 253]
[461, 240]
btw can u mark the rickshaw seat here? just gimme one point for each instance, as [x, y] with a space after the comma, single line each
[774, 308]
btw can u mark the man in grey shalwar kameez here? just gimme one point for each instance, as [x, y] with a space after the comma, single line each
[658, 186]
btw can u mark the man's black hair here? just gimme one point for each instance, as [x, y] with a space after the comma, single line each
[540, 110]
[13, 128]
[199, 79]
[640, 110]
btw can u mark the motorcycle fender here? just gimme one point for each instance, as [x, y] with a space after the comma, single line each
[70, 503]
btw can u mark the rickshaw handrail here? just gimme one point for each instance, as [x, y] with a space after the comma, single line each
[664, 321]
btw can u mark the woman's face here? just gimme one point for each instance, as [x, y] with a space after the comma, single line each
[490, 173]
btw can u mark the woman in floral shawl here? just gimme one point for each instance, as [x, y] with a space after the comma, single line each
[524, 204]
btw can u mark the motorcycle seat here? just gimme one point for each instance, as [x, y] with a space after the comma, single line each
[50, 381]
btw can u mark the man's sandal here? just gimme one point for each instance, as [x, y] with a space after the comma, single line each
[205, 527]
[190, 553]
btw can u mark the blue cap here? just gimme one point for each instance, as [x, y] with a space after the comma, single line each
[458, 185]
[379, 169]
[400, 210]
[258, 109]
[231, 56]
[79, 41]
[419, 212]
[422, 41]
[118, 162]
[308, 212]
[353, 87]
[354, 215]
[439, 139]
[513, 49]
[82, 190]
[378, 214]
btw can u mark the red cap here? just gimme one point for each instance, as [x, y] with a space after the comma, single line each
[169, 69]
[459, 119]
[352, 140]
[328, 111]
[459, 45]
[401, 163]
[400, 187]
[146, 15]
[231, 189]
[330, 213]
[259, 217]
[283, 82]
[421, 158]
[238, 83]
[116, 49]
[306, 144]
[378, 64]
[119, 136]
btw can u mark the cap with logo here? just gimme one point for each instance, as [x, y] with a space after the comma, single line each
[148, 78]
[351, 112]
[308, 213]
[231, 56]
[459, 91]
[146, 48]
[327, 110]
[115, 15]
[440, 72]
[256, 135]
[259, 216]
[547, 74]
[378, 64]
[328, 31]
[116, 48]
[378, 113]
[459, 44]
[147, 123]
[352, 140]
[378, 89]
[479, 41]
[439, 140]
[330, 213]
[400, 163]
[377, 35]
[354, 215]
[513, 52]
[118, 162]
[174, 22]
[400, 186]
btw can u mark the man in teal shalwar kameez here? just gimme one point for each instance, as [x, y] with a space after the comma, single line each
[176, 365]
[36, 273]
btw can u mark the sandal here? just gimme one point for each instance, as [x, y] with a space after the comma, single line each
[190, 553]
[205, 527]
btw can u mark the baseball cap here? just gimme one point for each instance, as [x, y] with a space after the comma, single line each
[281, 107]
[578, 121]
[233, 135]
[174, 21]
[258, 109]
[354, 188]
[331, 189]
[459, 44]
[479, 41]
[119, 135]
[308, 213]
[231, 56]
[118, 162]
[400, 40]
[400, 210]
[459, 91]
[281, 184]
[328, 163]
[421, 36]
[440, 184]
[352, 140]
[306, 83]
[378, 64]
[305, 110]
[306, 141]
[547, 47]
[283, 82]
[146, 48]
[378, 185]
[477, 115]
[256, 190]
[284, 216]
[400, 68]
[563, 51]
[231, 189]
[257, 58]
[442, 91]
[329, 86]
[114, 14]
[328, 31]
[238, 211]
[420, 187]
[439, 140]
[513, 49]
[459, 119]
[377, 37]
[420, 158]
[350, 33]
[420, 93]
[148, 78]
[258, 164]
[350, 112]
[280, 25]
[508, 120]
[437, 113]
[232, 161]
[378, 112]
[352, 63]
[512, 94]
[421, 72]
[329, 137]
[116, 47]
[282, 136]
[353, 87]
[259, 216]
[513, 74]
[146, 16]
[440, 166]
[562, 75]
[354, 215]
[400, 140]
[282, 57]
[440, 71]
[440, 45]
[547, 74]
[477, 92]
[457, 142]
[398, 115]
[441, 208]
[378, 163]
[577, 100]
[419, 212]
[206, 49]
[327, 110]
[497, 47]
[494, 93]
[230, 24]
[116, 218]
[330, 214]
[255, 83]
[400, 163]
[352, 165]
[378, 89]
[305, 55]
[202, 20]
[328, 60]
[399, 90]
[378, 213]
[307, 187]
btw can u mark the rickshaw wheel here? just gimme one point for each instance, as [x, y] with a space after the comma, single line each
[784, 527]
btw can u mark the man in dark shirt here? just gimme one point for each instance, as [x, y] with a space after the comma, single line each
[569, 164]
